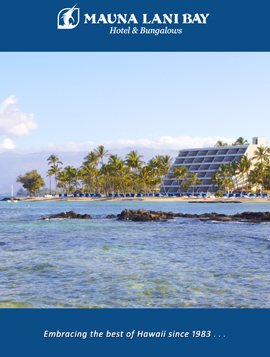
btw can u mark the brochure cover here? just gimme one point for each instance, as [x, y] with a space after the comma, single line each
[135, 178]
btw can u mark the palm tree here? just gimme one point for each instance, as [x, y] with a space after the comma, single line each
[247, 163]
[228, 184]
[50, 173]
[255, 178]
[116, 167]
[92, 158]
[152, 163]
[151, 175]
[233, 171]
[88, 174]
[166, 162]
[76, 175]
[114, 160]
[155, 182]
[80, 177]
[105, 172]
[216, 181]
[70, 176]
[194, 180]
[121, 171]
[180, 173]
[232, 168]
[267, 177]
[158, 164]
[133, 160]
[114, 163]
[262, 154]
[63, 178]
[101, 153]
[224, 170]
[54, 160]
[241, 167]
[261, 168]
[219, 143]
[55, 169]
[186, 184]
[144, 177]
[240, 141]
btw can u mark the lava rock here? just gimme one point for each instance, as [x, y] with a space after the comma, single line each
[190, 215]
[142, 215]
[10, 199]
[252, 217]
[69, 215]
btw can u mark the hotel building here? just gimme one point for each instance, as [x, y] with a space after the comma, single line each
[205, 162]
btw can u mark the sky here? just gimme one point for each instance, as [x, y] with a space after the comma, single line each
[58, 102]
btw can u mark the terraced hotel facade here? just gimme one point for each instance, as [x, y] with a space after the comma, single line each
[205, 162]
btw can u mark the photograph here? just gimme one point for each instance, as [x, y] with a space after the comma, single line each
[134, 180]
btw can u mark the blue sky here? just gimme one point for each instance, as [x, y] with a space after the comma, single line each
[75, 101]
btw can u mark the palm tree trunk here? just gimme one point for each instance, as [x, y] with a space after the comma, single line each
[98, 188]
[163, 185]
[55, 185]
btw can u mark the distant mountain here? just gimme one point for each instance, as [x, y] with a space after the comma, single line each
[13, 164]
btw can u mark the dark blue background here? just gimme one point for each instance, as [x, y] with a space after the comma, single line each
[232, 26]
[246, 331]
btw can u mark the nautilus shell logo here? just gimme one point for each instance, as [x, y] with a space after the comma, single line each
[69, 18]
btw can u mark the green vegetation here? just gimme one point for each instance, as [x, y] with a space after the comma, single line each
[31, 181]
[239, 141]
[133, 175]
[194, 180]
[116, 176]
[181, 172]
[229, 174]
[219, 194]
[55, 169]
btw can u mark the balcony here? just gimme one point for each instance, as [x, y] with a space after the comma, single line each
[212, 152]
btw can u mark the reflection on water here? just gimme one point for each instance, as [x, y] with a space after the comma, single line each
[108, 263]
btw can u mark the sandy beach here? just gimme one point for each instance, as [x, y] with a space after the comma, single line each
[149, 199]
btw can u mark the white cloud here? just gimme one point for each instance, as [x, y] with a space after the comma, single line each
[13, 122]
[163, 143]
[7, 144]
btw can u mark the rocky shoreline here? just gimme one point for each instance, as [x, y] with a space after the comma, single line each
[146, 216]
[142, 215]
[70, 215]
[10, 199]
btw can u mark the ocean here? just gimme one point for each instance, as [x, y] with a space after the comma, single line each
[105, 263]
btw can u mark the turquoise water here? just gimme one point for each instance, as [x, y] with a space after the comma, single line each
[110, 263]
